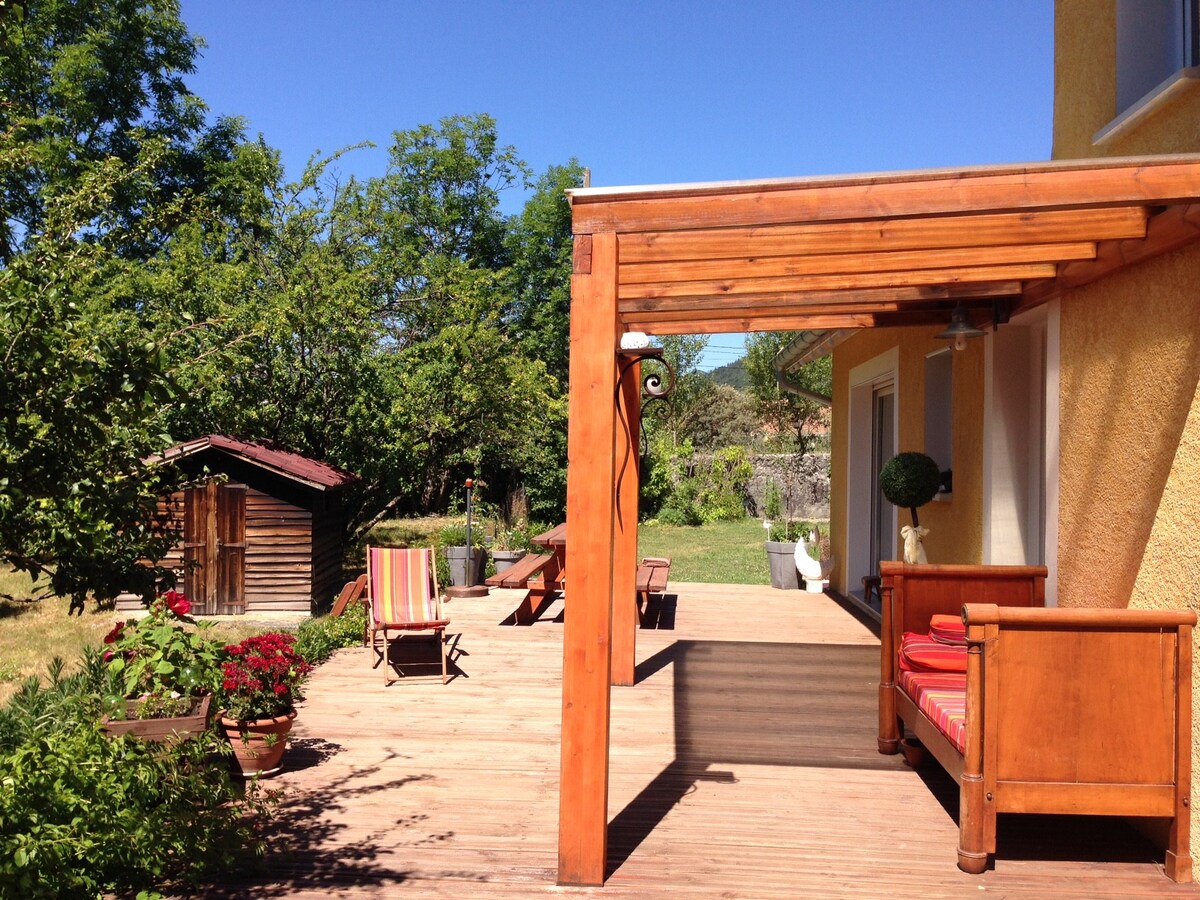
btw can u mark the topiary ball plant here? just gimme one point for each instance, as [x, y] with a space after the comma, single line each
[910, 479]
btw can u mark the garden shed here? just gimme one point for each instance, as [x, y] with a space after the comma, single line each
[261, 529]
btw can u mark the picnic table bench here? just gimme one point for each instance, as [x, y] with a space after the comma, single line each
[545, 573]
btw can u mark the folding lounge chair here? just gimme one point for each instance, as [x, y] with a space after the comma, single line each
[402, 595]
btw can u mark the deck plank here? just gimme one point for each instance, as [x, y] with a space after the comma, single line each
[743, 766]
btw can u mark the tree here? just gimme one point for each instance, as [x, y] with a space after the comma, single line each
[790, 415]
[680, 415]
[83, 397]
[85, 81]
[540, 245]
[730, 420]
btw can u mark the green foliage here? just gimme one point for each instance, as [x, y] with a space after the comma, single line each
[910, 479]
[722, 486]
[85, 391]
[318, 638]
[82, 814]
[789, 415]
[772, 501]
[729, 419]
[681, 413]
[90, 84]
[165, 654]
[680, 492]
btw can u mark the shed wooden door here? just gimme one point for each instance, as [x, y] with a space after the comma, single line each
[214, 548]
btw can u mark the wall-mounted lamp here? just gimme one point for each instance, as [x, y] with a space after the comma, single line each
[960, 329]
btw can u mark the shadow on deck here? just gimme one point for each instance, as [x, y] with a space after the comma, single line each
[740, 767]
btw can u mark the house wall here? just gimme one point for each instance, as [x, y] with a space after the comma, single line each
[1129, 461]
[955, 525]
[1129, 482]
[1085, 92]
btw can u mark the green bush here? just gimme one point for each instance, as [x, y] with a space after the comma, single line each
[84, 815]
[318, 638]
[910, 480]
[722, 486]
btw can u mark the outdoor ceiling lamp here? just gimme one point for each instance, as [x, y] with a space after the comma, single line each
[960, 329]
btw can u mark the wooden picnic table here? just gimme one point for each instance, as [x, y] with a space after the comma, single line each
[545, 574]
[554, 575]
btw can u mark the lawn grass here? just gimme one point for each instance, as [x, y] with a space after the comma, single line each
[717, 553]
[33, 632]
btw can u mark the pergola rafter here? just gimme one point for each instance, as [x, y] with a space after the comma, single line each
[817, 254]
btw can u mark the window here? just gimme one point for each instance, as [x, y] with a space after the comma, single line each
[1155, 40]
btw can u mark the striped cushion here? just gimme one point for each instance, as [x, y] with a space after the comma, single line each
[943, 698]
[948, 630]
[401, 586]
[921, 653]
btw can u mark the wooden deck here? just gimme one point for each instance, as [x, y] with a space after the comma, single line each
[743, 766]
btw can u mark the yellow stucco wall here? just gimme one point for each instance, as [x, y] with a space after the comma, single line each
[1085, 92]
[1128, 373]
[955, 526]
[1129, 460]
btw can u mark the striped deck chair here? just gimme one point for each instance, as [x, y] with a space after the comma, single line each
[402, 595]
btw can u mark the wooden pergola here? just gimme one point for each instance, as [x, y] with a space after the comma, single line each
[815, 254]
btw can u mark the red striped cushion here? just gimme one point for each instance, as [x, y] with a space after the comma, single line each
[948, 629]
[401, 586]
[921, 653]
[943, 698]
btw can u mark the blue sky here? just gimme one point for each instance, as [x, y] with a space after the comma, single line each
[645, 92]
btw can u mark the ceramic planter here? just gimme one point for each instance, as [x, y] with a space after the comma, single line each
[456, 558]
[504, 559]
[782, 559]
[174, 728]
[258, 744]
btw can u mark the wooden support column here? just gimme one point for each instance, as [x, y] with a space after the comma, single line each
[591, 502]
[625, 536]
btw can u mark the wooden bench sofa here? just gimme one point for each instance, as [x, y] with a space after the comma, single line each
[1079, 711]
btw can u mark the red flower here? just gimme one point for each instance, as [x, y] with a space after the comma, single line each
[115, 635]
[177, 603]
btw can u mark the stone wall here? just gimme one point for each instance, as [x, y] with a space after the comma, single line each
[803, 484]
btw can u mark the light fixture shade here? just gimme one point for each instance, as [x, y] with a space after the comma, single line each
[960, 329]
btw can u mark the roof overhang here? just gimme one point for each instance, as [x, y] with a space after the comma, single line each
[890, 249]
[311, 473]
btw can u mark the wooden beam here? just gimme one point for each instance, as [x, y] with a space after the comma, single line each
[1160, 181]
[805, 299]
[587, 634]
[878, 235]
[723, 288]
[797, 322]
[625, 525]
[853, 263]
[715, 311]
[1171, 229]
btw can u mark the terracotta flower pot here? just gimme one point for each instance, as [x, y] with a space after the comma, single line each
[258, 744]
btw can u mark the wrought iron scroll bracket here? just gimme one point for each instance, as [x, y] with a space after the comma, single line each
[653, 388]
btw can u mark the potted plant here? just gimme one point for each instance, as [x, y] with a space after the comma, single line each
[163, 670]
[508, 545]
[781, 541]
[453, 540]
[260, 685]
[814, 560]
[911, 480]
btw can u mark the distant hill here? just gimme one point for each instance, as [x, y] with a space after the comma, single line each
[732, 374]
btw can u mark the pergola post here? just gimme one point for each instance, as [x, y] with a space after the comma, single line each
[625, 524]
[591, 506]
